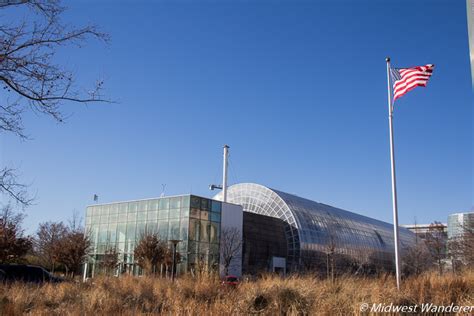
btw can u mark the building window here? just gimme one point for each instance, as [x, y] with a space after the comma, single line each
[132, 207]
[185, 200]
[185, 212]
[122, 217]
[153, 205]
[205, 204]
[141, 216]
[175, 202]
[113, 218]
[195, 202]
[216, 206]
[152, 216]
[215, 217]
[204, 237]
[194, 213]
[131, 229]
[141, 230]
[214, 233]
[205, 215]
[131, 217]
[122, 208]
[121, 232]
[163, 229]
[163, 214]
[174, 213]
[164, 204]
[184, 230]
[174, 229]
[193, 229]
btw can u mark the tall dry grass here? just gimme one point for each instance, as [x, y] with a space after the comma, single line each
[205, 296]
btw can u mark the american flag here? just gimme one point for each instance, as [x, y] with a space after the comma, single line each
[407, 79]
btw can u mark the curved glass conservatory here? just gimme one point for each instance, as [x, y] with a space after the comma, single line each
[313, 229]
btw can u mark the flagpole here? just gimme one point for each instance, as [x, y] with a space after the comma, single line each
[394, 182]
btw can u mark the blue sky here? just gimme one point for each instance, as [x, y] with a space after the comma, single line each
[296, 88]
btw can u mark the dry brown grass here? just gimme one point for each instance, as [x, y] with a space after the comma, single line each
[266, 296]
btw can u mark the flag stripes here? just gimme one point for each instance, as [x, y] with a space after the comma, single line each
[406, 79]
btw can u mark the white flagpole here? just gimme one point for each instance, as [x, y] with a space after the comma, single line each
[394, 182]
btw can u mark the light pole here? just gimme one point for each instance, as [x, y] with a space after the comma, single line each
[173, 268]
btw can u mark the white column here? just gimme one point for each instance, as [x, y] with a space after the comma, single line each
[224, 174]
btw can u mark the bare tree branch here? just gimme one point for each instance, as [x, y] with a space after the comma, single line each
[10, 186]
[436, 241]
[151, 251]
[231, 246]
[30, 78]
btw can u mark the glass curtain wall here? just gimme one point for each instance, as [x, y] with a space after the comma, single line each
[313, 228]
[193, 220]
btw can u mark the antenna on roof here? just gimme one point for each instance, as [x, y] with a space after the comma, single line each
[163, 186]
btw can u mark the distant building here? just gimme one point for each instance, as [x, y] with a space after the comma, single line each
[461, 237]
[459, 224]
[421, 230]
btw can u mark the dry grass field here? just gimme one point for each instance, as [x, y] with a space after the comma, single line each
[205, 296]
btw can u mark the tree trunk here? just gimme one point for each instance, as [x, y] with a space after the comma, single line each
[332, 268]
[327, 265]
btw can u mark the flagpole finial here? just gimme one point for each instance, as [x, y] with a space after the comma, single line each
[387, 59]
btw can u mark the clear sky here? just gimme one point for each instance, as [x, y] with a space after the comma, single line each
[296, 88]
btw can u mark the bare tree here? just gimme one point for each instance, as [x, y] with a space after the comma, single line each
[231, 246]
[150, 252]
[330, 254]
[331, 249]
[29, 76]
[436, 241]
[467, 243]
[455, 252]
[200, 265]
[110, 260]
[73, 250]
[168, 260]
[48, 242]
[313, 261]
[13, 245]
[59, 245]
[461, 246]
[417, 258]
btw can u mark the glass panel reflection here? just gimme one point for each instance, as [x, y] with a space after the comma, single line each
[121, 225]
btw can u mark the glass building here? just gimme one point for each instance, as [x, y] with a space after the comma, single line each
[310, 227]
[459, 223]
[193, 220]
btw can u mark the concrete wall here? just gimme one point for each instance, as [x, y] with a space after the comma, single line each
[232, 218]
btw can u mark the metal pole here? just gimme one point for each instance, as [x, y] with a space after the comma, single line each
[174, 262]
[224, 174]
[84, 276]
[394, 182]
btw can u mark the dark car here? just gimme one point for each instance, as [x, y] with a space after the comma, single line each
[26, 273]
